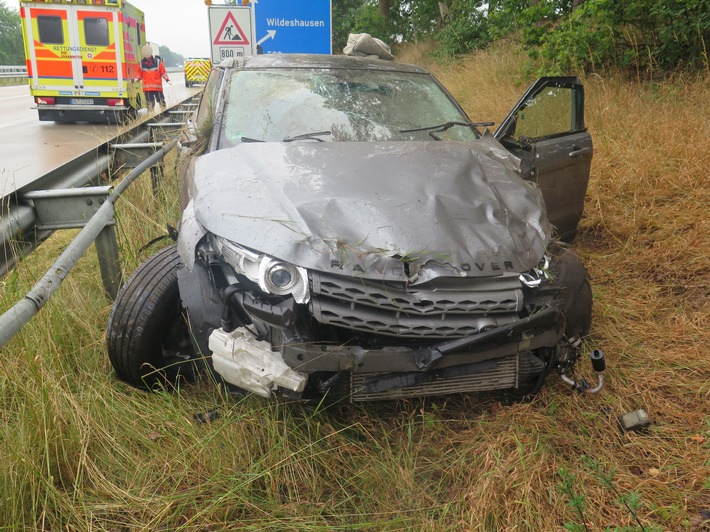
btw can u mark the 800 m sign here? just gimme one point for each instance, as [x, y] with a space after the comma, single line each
[225, 53]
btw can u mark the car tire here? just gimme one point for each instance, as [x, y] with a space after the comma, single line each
[147, 338]
[579, 312]
[576, 292]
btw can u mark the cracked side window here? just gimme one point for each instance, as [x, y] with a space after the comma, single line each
[547, 114]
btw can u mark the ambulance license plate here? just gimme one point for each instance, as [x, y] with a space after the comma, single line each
[82, 101]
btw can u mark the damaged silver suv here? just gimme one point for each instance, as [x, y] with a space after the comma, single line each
[349, 232]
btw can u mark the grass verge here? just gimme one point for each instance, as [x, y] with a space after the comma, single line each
[81, 451]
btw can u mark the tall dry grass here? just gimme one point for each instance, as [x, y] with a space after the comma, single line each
[82, 451]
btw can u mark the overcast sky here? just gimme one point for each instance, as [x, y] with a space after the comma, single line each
[181, 25]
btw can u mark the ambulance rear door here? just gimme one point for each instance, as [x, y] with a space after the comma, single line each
[99, 32]
[73, 49]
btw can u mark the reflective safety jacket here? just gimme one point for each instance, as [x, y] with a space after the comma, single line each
[151, 70]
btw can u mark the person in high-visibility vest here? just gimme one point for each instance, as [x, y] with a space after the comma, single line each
[152, 73]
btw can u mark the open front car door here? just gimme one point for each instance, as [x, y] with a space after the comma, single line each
[546, 131]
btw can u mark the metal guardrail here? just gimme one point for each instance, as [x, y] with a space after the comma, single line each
[13, 71]
[12, 321]
[60, 199]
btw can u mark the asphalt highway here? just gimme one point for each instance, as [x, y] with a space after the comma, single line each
[30, 148]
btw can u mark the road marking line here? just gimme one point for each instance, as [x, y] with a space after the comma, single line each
[13, 97]
[15, 123]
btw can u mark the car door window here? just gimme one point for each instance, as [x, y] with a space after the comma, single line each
[551, 107]
[547, 114]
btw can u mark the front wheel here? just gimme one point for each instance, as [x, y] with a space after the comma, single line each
[148, 339]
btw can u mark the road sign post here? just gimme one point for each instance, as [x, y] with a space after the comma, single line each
[231, 32]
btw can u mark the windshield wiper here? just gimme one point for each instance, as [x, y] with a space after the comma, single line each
[447, 125]
[249, 139]
[309, 136]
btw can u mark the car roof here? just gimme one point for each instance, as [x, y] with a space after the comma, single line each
[268, 61]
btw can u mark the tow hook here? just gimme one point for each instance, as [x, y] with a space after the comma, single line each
[599, 365]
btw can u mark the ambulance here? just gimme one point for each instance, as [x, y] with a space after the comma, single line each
[82, 57]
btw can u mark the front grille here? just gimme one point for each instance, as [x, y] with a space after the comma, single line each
[501, 377]
[507, 373]
[445, 308]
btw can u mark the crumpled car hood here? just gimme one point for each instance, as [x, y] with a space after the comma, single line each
[367, 208]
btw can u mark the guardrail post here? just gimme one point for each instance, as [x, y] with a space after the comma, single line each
[72, 208]
[156, 172]
[161, 132]
[156, 176]
[131, 155]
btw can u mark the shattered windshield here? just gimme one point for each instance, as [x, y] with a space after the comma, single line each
[350, 105]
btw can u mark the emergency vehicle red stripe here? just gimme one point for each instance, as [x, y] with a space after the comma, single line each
[48, 12]
[42, 52]
[108, 54]
[54, 69]
[81, 15]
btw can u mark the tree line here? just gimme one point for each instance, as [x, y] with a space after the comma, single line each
[12, 50]
[643, 35]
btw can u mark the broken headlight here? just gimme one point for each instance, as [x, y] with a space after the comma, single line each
[533, 278]
[272, 275]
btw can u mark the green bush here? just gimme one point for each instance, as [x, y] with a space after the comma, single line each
[464, 33]
[643, 35]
